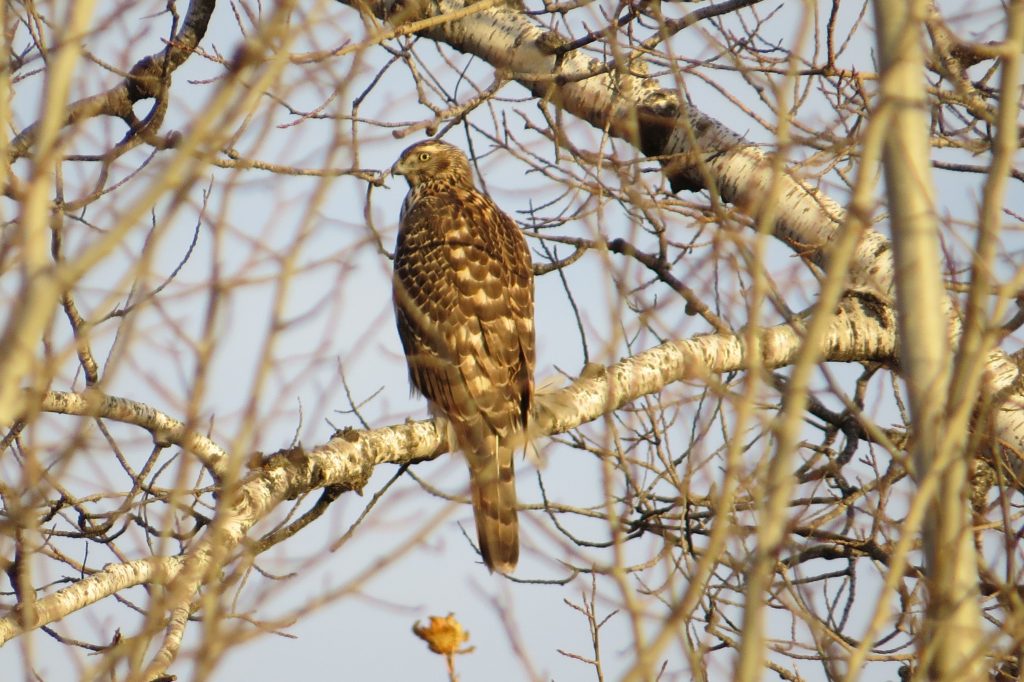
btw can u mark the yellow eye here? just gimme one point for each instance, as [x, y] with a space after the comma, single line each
[424, 156]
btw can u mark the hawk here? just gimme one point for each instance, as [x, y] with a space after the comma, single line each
[463, 296]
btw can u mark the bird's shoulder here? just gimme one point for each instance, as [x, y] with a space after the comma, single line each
[457, 210]
[446, 195]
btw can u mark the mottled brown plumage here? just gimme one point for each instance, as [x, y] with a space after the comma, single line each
[463, 295]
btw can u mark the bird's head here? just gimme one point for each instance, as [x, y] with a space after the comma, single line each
[432, 160]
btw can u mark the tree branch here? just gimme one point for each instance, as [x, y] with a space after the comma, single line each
[863, 329]
[166, 430]
[148, 78]
[111, 580]
[696, 152]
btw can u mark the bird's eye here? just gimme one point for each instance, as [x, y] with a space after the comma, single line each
[424, 156]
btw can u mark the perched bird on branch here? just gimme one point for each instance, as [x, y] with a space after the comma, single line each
[463, 295]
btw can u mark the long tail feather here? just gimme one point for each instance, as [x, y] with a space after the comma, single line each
[492, 482]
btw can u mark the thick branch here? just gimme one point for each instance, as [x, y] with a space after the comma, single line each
[111, 580]
[147, 79]
[166, 430]
[951, 643]
[696, 151]
[862, 330]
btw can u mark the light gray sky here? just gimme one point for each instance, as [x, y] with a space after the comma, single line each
[340, 305]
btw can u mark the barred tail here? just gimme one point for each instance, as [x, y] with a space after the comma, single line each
[493, 487]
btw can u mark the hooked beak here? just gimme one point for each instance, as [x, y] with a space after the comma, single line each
[383, 175]
[397, 169]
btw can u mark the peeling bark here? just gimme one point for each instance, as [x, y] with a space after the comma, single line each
[862, 329]
[696, 152]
